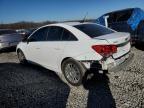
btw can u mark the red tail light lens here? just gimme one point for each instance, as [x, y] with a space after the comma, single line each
[105, 50]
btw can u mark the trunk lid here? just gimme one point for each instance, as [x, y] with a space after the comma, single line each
[122, 40]
[115, 38]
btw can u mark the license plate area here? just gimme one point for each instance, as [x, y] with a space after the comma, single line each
[122, 59]
[122, 50]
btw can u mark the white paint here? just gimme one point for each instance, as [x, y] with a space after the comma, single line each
[50, 54]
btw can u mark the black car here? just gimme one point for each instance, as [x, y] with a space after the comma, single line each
[128, 20]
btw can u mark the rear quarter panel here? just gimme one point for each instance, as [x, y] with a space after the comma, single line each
[82, 50]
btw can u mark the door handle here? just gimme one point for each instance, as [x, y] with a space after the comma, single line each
[37, 48]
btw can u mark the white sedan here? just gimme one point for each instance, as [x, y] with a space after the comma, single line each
[74, 48]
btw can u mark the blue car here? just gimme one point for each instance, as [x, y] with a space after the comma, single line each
[128, 20]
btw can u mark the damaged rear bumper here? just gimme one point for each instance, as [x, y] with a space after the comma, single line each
[110, 63]
[124, 64]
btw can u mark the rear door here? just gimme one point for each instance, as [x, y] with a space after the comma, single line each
[57, 40]
[53, 48]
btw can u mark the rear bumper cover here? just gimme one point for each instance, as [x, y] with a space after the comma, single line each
[124, 64]
[110, 64]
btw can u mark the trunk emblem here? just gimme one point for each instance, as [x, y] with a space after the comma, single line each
[115, 41]
[126, 39]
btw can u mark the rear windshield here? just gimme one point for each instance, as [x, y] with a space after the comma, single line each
[2, 32]
[93, 30]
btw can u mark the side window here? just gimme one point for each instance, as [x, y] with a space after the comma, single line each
[55, 33]
[67, 36]
[39, 35]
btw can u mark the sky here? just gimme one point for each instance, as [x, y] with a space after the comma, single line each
[60, 10]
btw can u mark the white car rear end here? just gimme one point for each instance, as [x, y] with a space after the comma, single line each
[120, 42]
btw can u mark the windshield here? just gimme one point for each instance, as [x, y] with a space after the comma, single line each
[2, 32]
[94, 30]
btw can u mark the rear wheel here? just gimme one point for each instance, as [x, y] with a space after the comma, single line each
[21, 57]
[73, 71]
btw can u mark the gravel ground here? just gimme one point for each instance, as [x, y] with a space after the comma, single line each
[33, 86]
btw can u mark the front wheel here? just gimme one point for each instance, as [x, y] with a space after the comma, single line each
[21, 57]
[73, 71]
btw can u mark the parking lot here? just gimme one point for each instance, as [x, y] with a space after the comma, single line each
[34, 86]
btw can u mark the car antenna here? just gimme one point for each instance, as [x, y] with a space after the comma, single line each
[84, 19]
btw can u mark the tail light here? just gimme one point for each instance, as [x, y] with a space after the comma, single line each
[105, 50]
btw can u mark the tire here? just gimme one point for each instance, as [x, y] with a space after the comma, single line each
[21, 57]
[73, 71]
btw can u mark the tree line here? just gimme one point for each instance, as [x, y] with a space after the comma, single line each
[24, 25]
[29, 25]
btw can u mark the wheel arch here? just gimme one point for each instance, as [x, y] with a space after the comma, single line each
[17, 50]
[64, 60]
[21, 51]
[71, 58]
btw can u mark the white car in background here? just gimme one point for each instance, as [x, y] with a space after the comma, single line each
[73, 48]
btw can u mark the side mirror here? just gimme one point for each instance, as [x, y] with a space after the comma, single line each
[28, 40]
[24, 39]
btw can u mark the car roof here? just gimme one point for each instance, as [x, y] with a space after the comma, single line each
[66, 24]
[72, 24]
